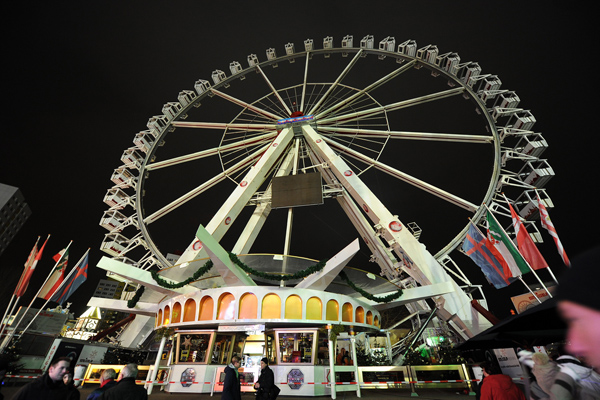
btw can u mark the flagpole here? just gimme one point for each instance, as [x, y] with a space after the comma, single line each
[530, 291]
[57, 289]
[34, 297]
[28, 263]
[547, 266]
[526, 263]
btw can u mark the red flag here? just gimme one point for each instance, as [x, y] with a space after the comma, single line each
[57, 276]
[18, 290]
[547, 223]
[526, 246]
[29, 271]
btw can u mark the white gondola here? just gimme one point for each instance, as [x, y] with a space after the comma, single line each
[235, 67]
[157, 124]
[186, 97]
[219, 76]
[272, 55]
[387, 44]
[367, 42]
[507, 99]
[132, 158]
[252, 60]
[536, 173]
[123, 178]
[522, 120]
[144, 140]
[448, 62]
[408, 48]
[428, 53]
[117, 199]
[309, 45]
[290, 50]
[532, 145]
[467, 71]
[114, 244]
[113, 221]
[327, 44]
[482, 83]
[527, 202]
[347, 42]
[202, 86]
[171, 109]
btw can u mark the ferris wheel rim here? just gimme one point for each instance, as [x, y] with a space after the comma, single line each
[139, 209]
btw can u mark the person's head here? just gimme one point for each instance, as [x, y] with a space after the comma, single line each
[235, 361]
[59, 368]
[108, 374]
[579, 305]
[129, 371]
[489, 368]
[68, 378]
[264, 362]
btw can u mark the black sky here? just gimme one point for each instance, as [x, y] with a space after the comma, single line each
[80, 79]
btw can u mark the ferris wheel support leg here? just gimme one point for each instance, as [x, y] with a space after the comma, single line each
[414, 258]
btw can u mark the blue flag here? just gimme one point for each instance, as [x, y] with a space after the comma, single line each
[477, 247]
[74, 281]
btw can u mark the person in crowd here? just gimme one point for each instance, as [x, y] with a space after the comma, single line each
[107, 381]
[579, 306]
[265, 382]
[50, 386]
[126, 387]
[585, 375]
[231, 383]
[497, 386]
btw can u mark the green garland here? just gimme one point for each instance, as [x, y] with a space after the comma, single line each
[133, 301]
[273, 277]
[386, 299]
[176, 285]
[278, 277]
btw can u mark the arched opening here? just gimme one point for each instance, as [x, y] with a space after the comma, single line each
[248, 306]
[176, 315]
[369, 318]
[314, 308]
[271, 307]
[189, 310]
[167, 316]
[293, 307]
[360, 315]
[207, 306]
[226, 306]
[332, 312]
[347, 312]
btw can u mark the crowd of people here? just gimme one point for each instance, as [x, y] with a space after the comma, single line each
[565, 373]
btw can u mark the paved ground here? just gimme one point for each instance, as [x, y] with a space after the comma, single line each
[371, 394]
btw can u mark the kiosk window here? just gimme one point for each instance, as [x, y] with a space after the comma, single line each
[296, 347]
[193, 347]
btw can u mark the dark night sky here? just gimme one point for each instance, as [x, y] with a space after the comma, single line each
[80, 79]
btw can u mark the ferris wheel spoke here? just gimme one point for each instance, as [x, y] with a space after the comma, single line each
[304, 82]
[220, 125]
[384, 134]
[391, 107]
[257, 140]
[350, 100]
[275, 92]
[249, 106]
[205, 186]
[337, 81]
[449, 197]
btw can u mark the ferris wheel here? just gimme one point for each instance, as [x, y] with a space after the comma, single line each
[398, 135]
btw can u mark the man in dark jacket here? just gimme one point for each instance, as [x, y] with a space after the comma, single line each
[50, 385]
[231, 383]
[107, 381]
[265, 382]
[126, 388]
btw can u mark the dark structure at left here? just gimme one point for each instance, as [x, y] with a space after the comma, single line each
[13, 214]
